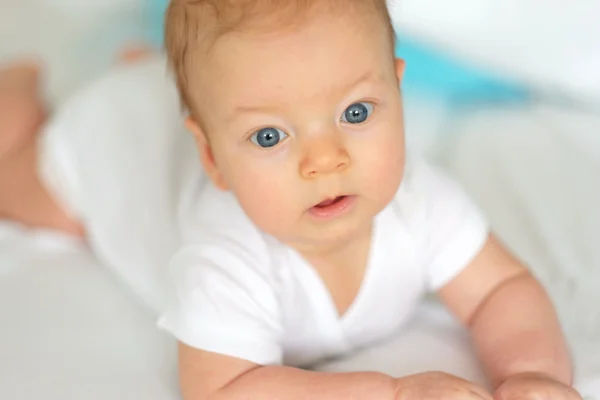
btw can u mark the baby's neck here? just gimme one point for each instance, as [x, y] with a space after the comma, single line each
[349, 252]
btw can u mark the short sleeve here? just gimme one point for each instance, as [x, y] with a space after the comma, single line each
[453, 231]
[222, 302]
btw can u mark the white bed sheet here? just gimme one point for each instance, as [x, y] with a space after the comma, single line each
[69, 330]
[534, 169]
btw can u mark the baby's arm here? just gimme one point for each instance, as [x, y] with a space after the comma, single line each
[205, 375]
[210, 376]
[513, 324]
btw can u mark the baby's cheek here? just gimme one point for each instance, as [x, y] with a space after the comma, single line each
[264, 196]
[386, 179]
[383, 163]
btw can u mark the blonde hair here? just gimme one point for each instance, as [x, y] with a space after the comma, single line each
[192, 27]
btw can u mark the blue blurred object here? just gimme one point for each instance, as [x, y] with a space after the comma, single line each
[156, 23]
[430, 71]
[427, 70]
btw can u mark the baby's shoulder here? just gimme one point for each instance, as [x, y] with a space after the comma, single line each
[215, 228]
[424, 179]
[429, 194]
[420, 182]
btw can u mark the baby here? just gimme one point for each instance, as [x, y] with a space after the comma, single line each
[315, 233]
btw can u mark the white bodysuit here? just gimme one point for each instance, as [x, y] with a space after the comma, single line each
[239, 292]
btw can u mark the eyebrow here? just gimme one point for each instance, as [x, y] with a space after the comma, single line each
[366, 77]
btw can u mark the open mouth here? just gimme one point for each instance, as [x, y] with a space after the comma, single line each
[330, 202]
[334, 207]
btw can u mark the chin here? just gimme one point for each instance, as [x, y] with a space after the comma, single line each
[345, 230]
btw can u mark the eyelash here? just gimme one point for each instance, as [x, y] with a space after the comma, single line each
[373, 103]
[254, 141]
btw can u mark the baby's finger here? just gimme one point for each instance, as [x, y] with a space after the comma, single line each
[480, 393]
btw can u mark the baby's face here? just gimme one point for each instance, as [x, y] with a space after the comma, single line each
[306, 128]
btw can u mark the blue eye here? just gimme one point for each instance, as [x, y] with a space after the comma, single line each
[268, 137]
[358, 113]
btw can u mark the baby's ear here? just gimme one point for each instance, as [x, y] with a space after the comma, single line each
[193, 127]
[400, 67]
[206, 154]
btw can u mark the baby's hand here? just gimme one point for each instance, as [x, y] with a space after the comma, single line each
[438, 386]
[535, 387]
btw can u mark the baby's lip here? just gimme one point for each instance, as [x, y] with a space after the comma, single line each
[333, 207]
[329, 201]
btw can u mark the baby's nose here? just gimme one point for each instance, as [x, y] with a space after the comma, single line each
[324, 157]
